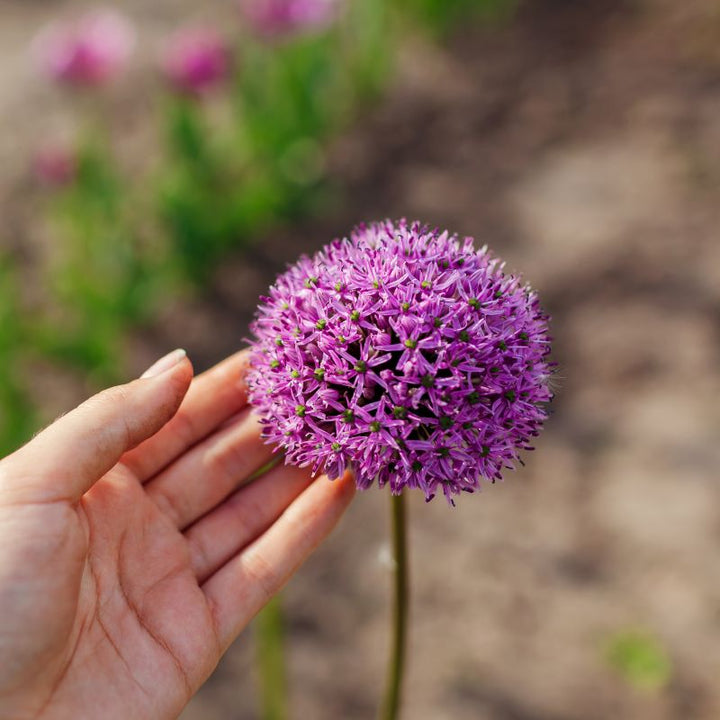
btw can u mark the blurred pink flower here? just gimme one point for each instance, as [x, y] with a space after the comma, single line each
[55, 166]
[89, 51]
[289, 17]
[195, 60]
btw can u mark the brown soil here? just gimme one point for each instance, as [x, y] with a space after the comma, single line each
[582, 143]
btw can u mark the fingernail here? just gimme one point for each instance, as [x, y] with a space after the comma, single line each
[164, 363]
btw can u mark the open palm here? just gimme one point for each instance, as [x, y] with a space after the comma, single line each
[133, 551]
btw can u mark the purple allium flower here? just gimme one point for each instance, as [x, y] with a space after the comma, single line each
[88, 52]
[273, 18]
[55, 166]
[195, 60]
[404, 353]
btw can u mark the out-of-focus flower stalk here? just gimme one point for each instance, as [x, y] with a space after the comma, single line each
[269, 627]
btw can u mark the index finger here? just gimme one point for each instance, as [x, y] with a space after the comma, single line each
[213, 397]
[67, 458]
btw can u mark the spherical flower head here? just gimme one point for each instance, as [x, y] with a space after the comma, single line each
[281, 18]
[406, 354]
[195, 60]
[89, 52]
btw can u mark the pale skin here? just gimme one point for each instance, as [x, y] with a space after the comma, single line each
[133, 550]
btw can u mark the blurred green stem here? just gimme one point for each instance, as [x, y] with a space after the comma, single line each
[269, 628]
[391, 703]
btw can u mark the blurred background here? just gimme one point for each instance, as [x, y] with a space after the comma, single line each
[161, 162]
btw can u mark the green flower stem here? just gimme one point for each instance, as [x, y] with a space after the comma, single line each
[269, 640]
[391, 704]
[266, 468]
[269, 627]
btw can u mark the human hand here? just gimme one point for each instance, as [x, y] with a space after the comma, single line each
[129, 558]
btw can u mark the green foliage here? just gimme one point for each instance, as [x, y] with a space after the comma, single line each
[440, 16]
[640, 658]
[367, 39]
[17, 417]
[100, 277]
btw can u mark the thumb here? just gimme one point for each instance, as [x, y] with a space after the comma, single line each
[65, 460]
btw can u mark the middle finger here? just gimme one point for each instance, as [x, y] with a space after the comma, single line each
[202, 478]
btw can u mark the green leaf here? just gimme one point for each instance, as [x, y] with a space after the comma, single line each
[640, 658]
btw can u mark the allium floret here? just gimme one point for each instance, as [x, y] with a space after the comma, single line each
[406, 354]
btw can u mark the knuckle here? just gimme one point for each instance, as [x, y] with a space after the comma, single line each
[199, 555]
[247, 513]
[263, 576]
[167, 507]
[184, 428]
[112, 397]
[228, 461]
[178, 384]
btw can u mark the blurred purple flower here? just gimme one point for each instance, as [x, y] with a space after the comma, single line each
[195, 60]
[273, 18]
[88, 52]
[55, 166]
[404, 353]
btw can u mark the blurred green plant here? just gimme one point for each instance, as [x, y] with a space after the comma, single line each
[206, 201]
[101, 277]
[441, 16]
[640, 659]
[17, 414]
